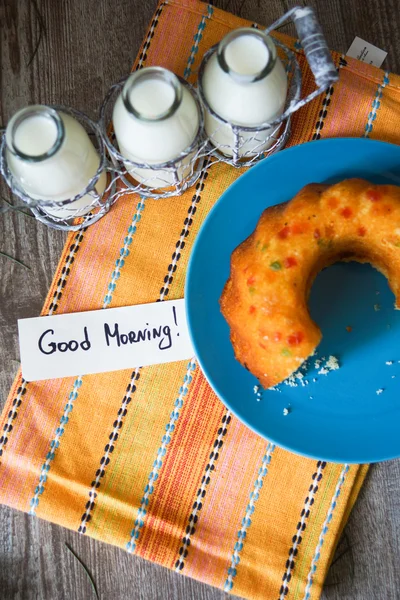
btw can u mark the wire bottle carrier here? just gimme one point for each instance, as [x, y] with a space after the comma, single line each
[121, 171]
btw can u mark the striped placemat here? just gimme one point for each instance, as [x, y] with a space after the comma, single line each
[149, 459]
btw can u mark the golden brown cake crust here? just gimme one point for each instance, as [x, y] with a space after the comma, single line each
[265, 299]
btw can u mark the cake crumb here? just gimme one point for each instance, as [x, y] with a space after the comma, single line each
[332, 364]
[389, 362]
[349, 329]
[393, 376]
[380, 391]
[290, 381]
[377, 307]
[258, 392]
[299, 377]
[311, 397]
[286, 411]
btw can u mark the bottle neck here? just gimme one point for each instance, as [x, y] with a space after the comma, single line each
[152, 95]
[35, 133]
[247, 55]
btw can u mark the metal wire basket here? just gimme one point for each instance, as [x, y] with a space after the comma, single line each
[174, 177]
[313, 42]
[248, 142]
[156, 180]
[72, 219]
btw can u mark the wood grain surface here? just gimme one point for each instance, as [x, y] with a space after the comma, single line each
[84, 46]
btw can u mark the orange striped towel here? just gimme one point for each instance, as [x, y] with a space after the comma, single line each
[149, 459]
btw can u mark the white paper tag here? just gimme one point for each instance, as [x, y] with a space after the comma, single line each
[366, 52]
[103, 340]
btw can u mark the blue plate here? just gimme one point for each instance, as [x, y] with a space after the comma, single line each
[339, 417]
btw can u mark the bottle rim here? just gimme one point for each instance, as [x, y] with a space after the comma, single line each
[158, 73]
[26, 113]
[241, 32]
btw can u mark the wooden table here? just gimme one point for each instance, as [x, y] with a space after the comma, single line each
[84, 46]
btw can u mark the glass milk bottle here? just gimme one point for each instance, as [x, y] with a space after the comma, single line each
[245, 83]
[52, 158]
[155, 119]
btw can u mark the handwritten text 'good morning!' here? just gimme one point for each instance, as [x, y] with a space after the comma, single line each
[49, 343]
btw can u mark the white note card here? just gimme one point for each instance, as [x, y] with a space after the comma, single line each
[366, 52]
[103, 340]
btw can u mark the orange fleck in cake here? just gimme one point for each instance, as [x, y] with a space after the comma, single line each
[265, 299]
